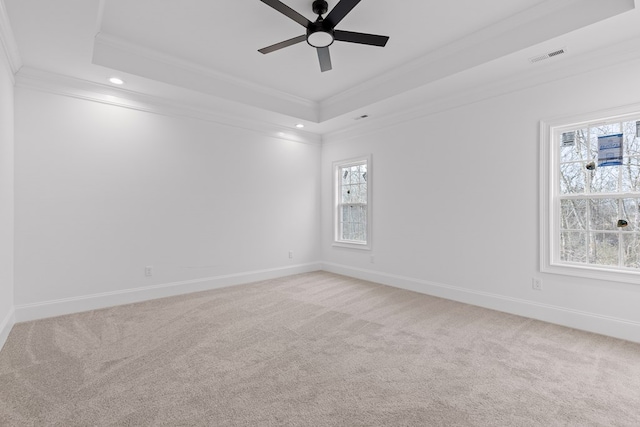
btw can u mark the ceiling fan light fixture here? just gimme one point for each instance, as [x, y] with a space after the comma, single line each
[320, 39]
[318, 36]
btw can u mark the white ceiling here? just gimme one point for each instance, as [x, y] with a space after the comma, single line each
[204, 52]
[226, 36]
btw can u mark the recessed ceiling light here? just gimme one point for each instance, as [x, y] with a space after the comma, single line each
[116, 81]
[299, 125]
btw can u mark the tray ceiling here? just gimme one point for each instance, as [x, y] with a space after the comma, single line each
[211, 48]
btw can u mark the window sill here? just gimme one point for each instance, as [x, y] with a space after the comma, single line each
[594, 273]
[352, 245]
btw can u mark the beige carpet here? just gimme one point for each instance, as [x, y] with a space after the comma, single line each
[313, 350]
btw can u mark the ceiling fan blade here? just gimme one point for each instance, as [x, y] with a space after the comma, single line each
[280, 45]
[287, 11]
[362, 38]
[325, 59]
[340, 11]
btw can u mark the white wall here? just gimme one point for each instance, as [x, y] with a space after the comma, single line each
[6, 197]
[103, 191]
[455, 205]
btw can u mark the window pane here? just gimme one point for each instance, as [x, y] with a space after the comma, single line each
[346, 214]
[362, 234]
[631, 141]
[573, 215]
[354, 222]
[631, 174]
[603, 248]
[631, 248]
[355, 214]
[605, 179]
[573, 246]
[363, 174]
[604, 214]
[354, 193]
[354, 174]
[347, 230]
[361, 193]
[345, 192]
[578, 150]
[631, 214]
[572, 177]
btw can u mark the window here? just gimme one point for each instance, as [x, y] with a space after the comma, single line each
[352, 194]
[591, 197]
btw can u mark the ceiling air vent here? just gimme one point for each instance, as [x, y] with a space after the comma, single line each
[547, 55]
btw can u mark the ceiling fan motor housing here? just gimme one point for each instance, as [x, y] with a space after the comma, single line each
[320, 7]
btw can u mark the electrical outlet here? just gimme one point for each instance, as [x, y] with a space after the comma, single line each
[291, 254]
[148, 271]
[536, 283]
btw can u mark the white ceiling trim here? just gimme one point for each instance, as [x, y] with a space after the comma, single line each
[45, 81]
[626, 52]
[8, 41]
[115, 53]
[567, 66]
[525, 29]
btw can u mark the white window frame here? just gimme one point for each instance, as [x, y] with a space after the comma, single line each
[550, 202]
[336, 202]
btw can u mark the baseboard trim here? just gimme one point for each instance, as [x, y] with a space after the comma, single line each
[590, 322]
[6, 325]
[45, 309]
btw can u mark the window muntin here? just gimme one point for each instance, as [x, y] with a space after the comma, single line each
[352, 195]
[592, 217]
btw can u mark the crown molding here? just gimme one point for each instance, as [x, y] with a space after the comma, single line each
[538, 24]
[8, 43]
[58, 84]
[426, 104]
[119, 54]
[423, 101]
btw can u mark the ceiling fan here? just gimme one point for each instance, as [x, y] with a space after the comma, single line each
[322, 33]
